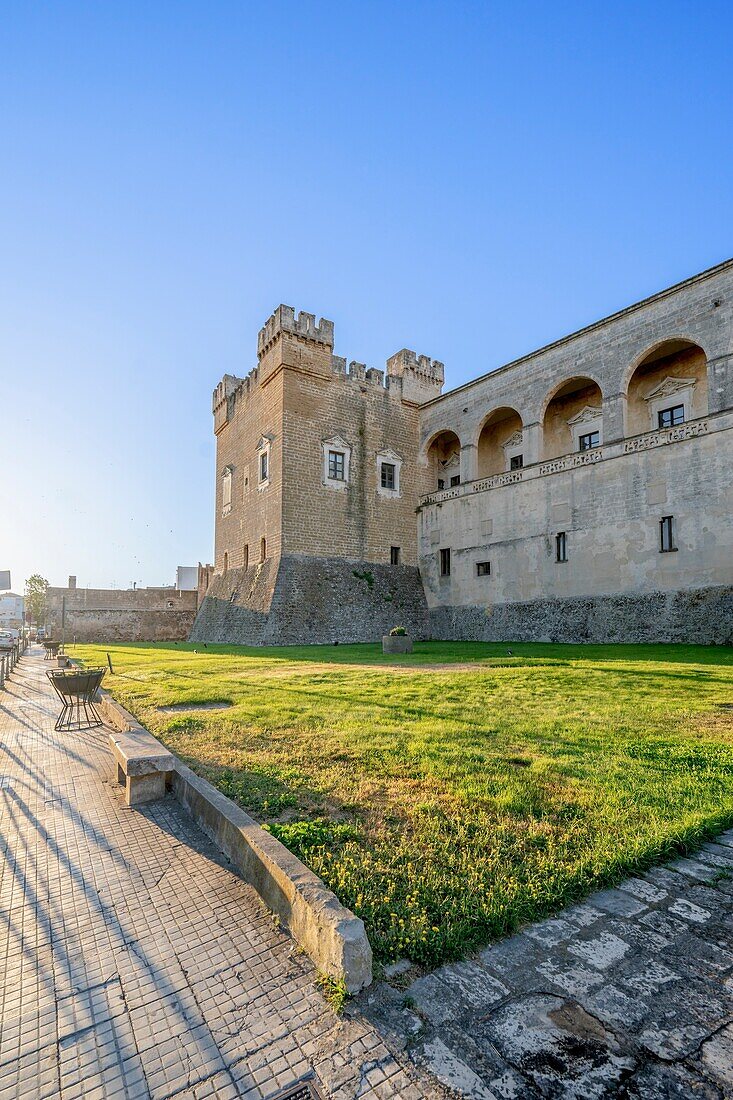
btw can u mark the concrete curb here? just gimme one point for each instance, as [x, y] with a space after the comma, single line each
[328, 932]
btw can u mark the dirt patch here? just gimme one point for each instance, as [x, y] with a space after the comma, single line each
[174, 708]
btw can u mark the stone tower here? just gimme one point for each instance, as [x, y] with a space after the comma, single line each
[318, 480]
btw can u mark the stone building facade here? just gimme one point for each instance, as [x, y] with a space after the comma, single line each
[582, 492]
[120, 615]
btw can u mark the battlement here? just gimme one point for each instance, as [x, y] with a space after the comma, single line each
[402, 361]
[304, 325]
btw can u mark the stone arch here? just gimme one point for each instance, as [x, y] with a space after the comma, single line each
[666, 385]
[443, 458]
[500, 441]
[572, 417]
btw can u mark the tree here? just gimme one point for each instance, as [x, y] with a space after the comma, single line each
[36, 588]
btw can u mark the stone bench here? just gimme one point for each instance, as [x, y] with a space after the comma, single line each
[144, 766]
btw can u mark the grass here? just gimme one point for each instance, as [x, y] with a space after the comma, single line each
[449, 795]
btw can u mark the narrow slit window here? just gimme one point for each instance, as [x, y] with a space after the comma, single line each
[561, 546]
[246, 557]
[666, 535]
[445, 562]
[394, 555]
[263, 549]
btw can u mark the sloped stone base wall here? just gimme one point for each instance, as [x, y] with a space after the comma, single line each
[698, 615]
[303, 600]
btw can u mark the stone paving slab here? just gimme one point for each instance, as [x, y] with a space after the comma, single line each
[133, 962]
[629, 994]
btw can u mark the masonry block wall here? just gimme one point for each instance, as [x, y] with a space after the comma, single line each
[120, 615]
[582, 491]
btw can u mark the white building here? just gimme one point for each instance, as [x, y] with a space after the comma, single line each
[11, 611]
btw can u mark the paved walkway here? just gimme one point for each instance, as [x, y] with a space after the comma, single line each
[629, 994]
[133, 962]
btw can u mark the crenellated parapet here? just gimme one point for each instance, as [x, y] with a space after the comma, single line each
[421, 377]
[283, 320]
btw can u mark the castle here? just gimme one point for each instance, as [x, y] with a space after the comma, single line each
[582, 492]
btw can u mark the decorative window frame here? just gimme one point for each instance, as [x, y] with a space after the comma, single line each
[264, 447]
[336, 443]
[226, 490]
[672, 391]
[393, 459]
[512, 447]
[589, 419]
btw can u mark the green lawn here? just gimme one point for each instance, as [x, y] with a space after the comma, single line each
[446, 805]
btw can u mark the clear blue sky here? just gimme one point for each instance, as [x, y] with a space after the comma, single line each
[468, 180]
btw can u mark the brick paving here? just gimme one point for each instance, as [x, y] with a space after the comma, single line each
[133, 962]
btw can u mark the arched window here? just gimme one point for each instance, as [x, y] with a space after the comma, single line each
[668, 387]
[500, 443]
[444, 461]
[573, 419]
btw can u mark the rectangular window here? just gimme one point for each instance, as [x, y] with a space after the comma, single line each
[483, 568]
[246, 557]
[263, 549]
[666, 535]
[264, 465]
[589, 441]
[516, 462]
[441, 484]
[336, 465]
[394, 555]
[445, 563]
[456, 480]
[670, 418]
[388, 475]
[561, 546]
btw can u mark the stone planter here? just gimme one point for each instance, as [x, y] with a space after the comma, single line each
[63, 660]
[396, 643]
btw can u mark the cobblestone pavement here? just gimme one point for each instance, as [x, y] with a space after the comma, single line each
[133, 962]
[629, 994]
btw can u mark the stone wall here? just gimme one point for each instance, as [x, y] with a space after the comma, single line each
[697, 615]
[303, 600]
[121, 615]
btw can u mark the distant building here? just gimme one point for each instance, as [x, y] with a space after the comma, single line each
[187, 578]
[12, 607]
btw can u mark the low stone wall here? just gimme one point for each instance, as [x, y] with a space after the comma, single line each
[700, 615]
[328, 932]
[304, 600]
[97, 625]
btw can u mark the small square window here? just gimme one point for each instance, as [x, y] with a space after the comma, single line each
[394, 555]
[516, 462]
[666, 535]
[388, 475]
[455, 480]
[561, 546]
[336, 465]
[264, 465]
[445, 563]
[483, 568]
[589, 441]
[670, 418]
